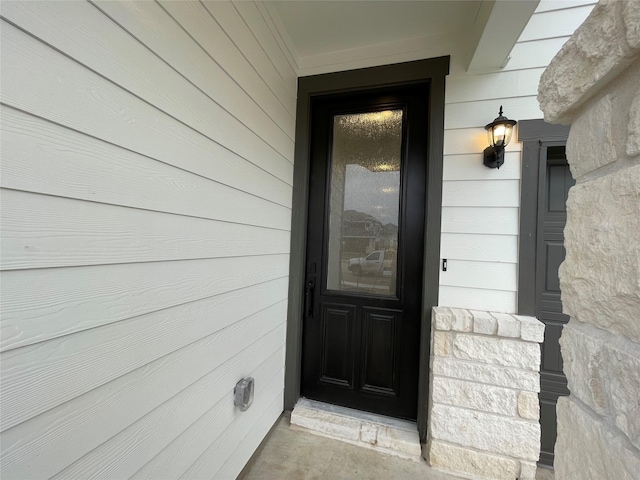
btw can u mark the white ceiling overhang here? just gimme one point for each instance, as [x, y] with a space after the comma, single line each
[328, 35]
[500, 24]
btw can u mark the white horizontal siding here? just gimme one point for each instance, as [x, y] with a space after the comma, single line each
[467, 167]
[474, 114]
[268, 36]
[481, 193]
[478, 298]
[555, 23]
[147, 171]
[90, 420]
[480, 274]
[61, 232]
[479, 247]
[480, 214]
[200, 433]
[218, 459]
[41, 376]
[273, 67]
[206, 30]
[548, 5]
[69, 300]
[490, 86]
[127, 454]
[536, 53]
[50, 85]
[44, 157]
[487, 220]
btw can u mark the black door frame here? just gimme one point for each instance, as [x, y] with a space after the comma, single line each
[432, 71]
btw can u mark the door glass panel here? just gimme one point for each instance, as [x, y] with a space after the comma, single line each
[365, 202]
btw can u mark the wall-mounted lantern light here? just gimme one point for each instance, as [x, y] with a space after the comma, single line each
[499, 132]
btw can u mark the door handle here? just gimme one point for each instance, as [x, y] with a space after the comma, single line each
[308, 297]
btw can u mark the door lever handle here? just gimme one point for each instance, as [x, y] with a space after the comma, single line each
[308, 295]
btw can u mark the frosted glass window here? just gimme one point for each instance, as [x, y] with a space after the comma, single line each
[365, 202]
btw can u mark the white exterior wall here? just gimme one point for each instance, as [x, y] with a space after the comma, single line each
[480, 206]
[147, 160]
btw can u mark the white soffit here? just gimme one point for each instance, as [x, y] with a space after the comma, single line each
[327, 33]
[500, 23]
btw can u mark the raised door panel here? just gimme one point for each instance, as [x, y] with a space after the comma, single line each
[380, 351]
[338, 323]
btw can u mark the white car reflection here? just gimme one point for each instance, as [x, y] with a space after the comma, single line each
[378, 262]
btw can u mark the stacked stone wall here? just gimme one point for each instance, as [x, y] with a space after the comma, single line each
[594, 83]
[484, 411]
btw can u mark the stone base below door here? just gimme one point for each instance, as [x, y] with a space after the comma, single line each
[383, 434]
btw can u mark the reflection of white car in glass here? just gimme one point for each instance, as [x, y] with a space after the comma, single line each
[379, 262]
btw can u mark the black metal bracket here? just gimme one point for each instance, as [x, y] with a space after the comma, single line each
[493, 157]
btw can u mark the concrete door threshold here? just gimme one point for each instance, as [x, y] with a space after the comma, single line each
[386, 435]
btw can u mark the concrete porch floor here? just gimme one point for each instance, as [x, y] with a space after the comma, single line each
[289, 454]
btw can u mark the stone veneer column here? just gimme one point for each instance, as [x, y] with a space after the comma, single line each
[594, 83]
[483, 400]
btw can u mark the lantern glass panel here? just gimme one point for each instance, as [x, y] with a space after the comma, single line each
[508, 131]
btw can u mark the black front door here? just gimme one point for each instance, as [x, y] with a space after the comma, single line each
[361, 331]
